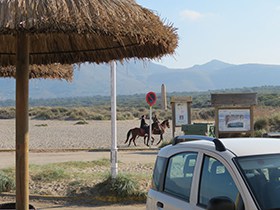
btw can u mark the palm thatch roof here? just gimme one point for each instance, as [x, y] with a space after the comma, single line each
[71, 31]
[51, 71]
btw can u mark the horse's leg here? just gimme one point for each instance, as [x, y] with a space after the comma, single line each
[132, 138]
[144, 139]
[127, 136]
[152, 140]
[148, 138]
[130, 141]
[161, 138]
[134, 141]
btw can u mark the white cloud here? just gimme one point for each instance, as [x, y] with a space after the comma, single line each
[191, 15]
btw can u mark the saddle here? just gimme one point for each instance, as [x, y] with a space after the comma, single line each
[142, 132]
[156, 128]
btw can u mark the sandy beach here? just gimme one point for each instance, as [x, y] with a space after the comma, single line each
[54, 134]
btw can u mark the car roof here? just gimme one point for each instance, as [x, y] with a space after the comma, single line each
[252, 146]
[238, 146]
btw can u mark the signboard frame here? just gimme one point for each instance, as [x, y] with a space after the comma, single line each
[181, 111]
[239, 109]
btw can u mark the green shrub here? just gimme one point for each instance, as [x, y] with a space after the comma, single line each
[44, 115]
[7, 113]
[81, 122]
[122, 186]
[41, 125]
[259, 133]
[97, 117]
[136, 114]
[120, 117]
[141, 110]
[206, 114]
[274, 123]
[49, 174]
[261, 123]
[6, 183]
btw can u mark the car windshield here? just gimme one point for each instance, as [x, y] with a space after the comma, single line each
[262, 174]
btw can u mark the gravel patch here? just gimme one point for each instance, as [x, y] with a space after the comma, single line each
[52, 134]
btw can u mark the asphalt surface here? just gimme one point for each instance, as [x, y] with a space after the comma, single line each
[145, 156]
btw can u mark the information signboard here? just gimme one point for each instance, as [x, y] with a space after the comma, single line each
[181, 114]
[234, 120]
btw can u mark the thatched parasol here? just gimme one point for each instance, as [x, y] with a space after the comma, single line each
[70, 31]
[67, 31]
[51, 71]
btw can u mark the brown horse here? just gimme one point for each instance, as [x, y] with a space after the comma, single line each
[158, 130]
[136, 132]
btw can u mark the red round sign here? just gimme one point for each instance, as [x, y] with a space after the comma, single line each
[151, 98]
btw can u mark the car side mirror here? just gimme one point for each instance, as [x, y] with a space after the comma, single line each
[221, 203]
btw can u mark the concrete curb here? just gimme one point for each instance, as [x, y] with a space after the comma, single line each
[81, 150]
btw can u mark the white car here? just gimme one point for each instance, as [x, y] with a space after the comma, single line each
[199, 172]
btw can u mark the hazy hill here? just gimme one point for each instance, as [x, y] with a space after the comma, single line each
[141, 77]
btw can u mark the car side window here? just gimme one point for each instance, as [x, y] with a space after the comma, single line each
[179, 175]
[216, 181]
[158, 173]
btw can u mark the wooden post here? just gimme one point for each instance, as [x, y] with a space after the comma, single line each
[252, 120]
[216, 122]
[189, 112]
[22, 134]
[173, 119]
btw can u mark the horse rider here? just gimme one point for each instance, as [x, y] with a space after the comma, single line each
[144, 125]
[155, 125]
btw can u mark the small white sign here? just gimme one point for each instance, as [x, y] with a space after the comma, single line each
[181, 114]
[234, 120]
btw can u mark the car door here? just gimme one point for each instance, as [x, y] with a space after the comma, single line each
[216, 181]
[177, 182]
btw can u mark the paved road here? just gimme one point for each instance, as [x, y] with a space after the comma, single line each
[146, 156]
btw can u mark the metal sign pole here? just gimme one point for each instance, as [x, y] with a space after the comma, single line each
[114, 149]
[150, 130]
[151, 100]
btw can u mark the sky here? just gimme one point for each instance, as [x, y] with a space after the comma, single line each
[233, 31]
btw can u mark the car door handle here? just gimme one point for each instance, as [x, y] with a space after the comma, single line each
[160, 204]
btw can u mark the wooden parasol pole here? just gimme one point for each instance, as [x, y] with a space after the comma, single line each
[22, 134]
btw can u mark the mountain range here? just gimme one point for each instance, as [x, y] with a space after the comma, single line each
[144, 76]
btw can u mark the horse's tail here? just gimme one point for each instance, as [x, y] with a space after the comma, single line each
[127, 135]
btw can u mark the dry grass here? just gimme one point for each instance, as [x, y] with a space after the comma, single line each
[85, 178]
